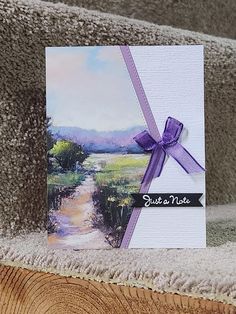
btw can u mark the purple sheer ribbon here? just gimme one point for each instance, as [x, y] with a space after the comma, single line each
[168, 145]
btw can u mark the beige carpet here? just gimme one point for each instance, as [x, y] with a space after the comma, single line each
[211, 17]
[26, 28]
[209, 273]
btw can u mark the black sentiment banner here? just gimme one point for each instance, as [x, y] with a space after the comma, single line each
[167, 200]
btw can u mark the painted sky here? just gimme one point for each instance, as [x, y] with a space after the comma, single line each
[89, 87]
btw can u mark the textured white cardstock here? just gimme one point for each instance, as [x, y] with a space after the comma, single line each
[173, 80]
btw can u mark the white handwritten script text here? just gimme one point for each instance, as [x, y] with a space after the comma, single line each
[170, 200]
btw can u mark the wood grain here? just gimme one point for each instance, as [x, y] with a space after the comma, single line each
[24, 292]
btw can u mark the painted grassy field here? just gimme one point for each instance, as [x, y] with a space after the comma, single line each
[119, 176]
[90, 208]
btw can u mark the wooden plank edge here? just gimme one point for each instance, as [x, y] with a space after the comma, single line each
[24, 291]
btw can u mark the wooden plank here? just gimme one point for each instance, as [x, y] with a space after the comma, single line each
[25, 292]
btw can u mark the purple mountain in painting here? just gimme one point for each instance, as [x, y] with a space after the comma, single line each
[101, 141]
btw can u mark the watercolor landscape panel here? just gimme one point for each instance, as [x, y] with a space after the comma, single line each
[94, 163]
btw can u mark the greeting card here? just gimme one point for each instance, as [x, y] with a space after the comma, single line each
[125, 147]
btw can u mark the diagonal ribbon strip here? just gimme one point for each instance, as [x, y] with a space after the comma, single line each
[168, 145]
[152, 127]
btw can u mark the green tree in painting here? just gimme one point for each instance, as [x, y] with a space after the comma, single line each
[67, 153]
[50, 143]
[50, 140]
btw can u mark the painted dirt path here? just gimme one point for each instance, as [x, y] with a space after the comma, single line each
[75, 220]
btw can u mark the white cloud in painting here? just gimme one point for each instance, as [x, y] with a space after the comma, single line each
[90, 87]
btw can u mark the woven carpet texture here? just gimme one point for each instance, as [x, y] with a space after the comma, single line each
[27, 27]
[211, 17]
[209, 273]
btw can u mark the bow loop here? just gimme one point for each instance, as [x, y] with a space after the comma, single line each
[172, 131]
[145, 140]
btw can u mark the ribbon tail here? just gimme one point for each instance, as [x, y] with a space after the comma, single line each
[155, 165]
[184, 158]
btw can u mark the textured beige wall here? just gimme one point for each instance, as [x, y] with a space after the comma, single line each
[26, 29]
[216, 17]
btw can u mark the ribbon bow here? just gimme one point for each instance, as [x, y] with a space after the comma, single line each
[167, 145]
